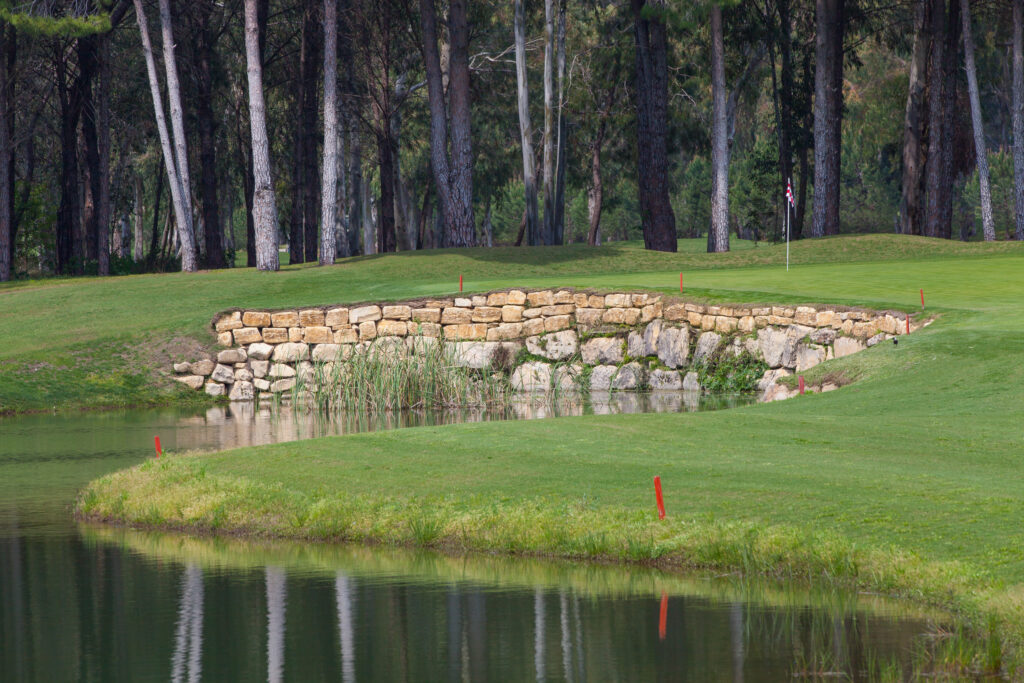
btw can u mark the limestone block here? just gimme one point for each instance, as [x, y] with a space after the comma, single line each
[805, 315]
[864, 329]
[537, 299]
[261, 384]
[771, 376]
[346, 335]
[397, 312]
[214, 389]
[673, 346]
[228, 322]
[746, 324]
[475, 355]
[246, 335]
[714, 310]
[596, 301]
[877, 339]
[558, 309]
[192, 381]
[328, 353]
[694, 319]
[282, 385]
[232, 356]
[295, 334]
[497, 299]
[824, 336]
[589, 316]
[581, 300]
[275, 335]
[242, 391]
[426, 315]
[777, 347]
[478, 300]
[392, 328]
[182, 368]
[465, 332]
[779, 320]
[260, 368]
[223, 374]
[364, 314]
[291, 352]
[650, 312]
[675, 312]
[666, 380]
[505, 331]
[691, 382]
[367, 330]
[601, 377]
[635, 345]
[602, 350]
[456, 316]
[516, 297]
[622, 316]
[280, 371]
[531, 313]
[707, 344]
[563, 296]
[807, 356]
[532, 377]
[533, 327]
[258, 352]
[426, 330]
[463, 302]
[617, 300]
[651, 337]
[511, 314]
[336, 317]
[225, 339]
[306, 373]
[707, 321]
[630, 377]
[888, 324]
[566, 377]
[824, 319]
[639, 300]
[486, 314]
[256, 319]
[844, 346]
[751, 346]
[725, 324]
[203, 367]
[777, 392]
[557, 346]
[284, 319]
[558, 322]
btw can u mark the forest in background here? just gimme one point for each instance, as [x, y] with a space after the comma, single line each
[162, 135]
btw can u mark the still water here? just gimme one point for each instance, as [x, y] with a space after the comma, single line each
[85, 603]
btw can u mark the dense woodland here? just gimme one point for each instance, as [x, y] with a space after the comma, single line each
[141, 135]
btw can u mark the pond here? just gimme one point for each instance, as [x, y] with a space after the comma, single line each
[99, 604]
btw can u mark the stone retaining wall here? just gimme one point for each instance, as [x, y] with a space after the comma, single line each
[626, 340]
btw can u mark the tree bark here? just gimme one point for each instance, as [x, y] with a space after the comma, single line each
[312, 63]
[718, 236]
[912, 199]
[188, 256]
[207, 125]
[103, 201]
[828, 113]
[264, 206]
[329, 174]
[939, 142]
[561, 148]
[462, 230]
[651, 92]
[525, 131]
[980, 149]
[137, 238]
[6, 228]
[595, 194]
[438, 116]
[386, 206]
[182, 212]
[548, 169]
[1018, 114]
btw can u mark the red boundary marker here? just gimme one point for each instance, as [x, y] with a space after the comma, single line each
[460, 282]
[680, 283]
[922, 299]
[801, 384]
[658, 497]
[159, 451]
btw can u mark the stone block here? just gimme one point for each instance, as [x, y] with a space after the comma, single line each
[329, 353]
[203, 367]
[182, 368]
[511, 314]
[192, 381]
[486, 314]
[531, 313]
[544, 298]
[589, 317]
[242, 391]
[635, 345]
[805, 315]
[707, 344]
[557, 322]
[505, 331]
[844, 346]
[638, 300]
[228, 322]
[497, 299]
[864, 329]
[824, 318]
[260, 351]
[666, 380]
[275, 335]
[771, 376]
[474, 331]
[295, 334]
[581, 300]
[214, 389]
[260, 368]
[630, 377]
[311, 317]
[364, 314]
[516, 297]
[232, 356]
[778, 348]
[392, 328]
[463, 302]
[675, 312]
[426, 330]
[291, 352]
[456, 316]
[223, 374]
[596, 301]
[533, 327]
[557, 346]
[246, 335]
[397, 313]
[823, 336]
[602, 350]
[694, 319]
[284, 319]
[746, 324]
[563, 296]
[601, 377]
[346, 335]
[318, 335]
[426, 315]
[725, 324]
[532, 377]
[807, 356]
[336, 317]
[225, 339]
[651, 312]
[280, 370]
[622, 316]
[282, 385]
[367, 330]
[261, 384]
[673, 346]
[256, 319]
[617, 300]
[691, 382]
[651, 337]
[478, 300]
[558, 309]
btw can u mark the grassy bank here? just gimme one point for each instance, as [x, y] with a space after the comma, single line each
[905, 482]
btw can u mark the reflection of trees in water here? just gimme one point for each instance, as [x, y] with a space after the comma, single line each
[344, 599]
[276, 598]
[188, 639]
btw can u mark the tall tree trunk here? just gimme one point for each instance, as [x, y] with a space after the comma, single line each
[595, 194]
[548, 170]
[937, 139]
[718, 236]
[88, 64]
[207, 125]
[137, 238]
[182, 212]
[980, 148]
[355, 216]
[828, 112]
[1018, 114]
[329, 174]
[188, 255]
[103, 142]
[386, 206]
[264, 206]
[155, 235]
[462, 229]
[561, 148]
[311, 65]
[525, 131]
[651, 92]
[438, 116]
[912, 200]
[368, 224]
[6, 229]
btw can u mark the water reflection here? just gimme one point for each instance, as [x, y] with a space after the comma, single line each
[188, 642]
[343, 597]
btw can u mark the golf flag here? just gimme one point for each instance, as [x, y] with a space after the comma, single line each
[789, 194]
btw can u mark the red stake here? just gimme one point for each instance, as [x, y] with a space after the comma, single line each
[922, 299]
[659, 498]
[460, 282]
[801, 383]
[908, 324]
[159, 451]
[680, 283]
[663, 617]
